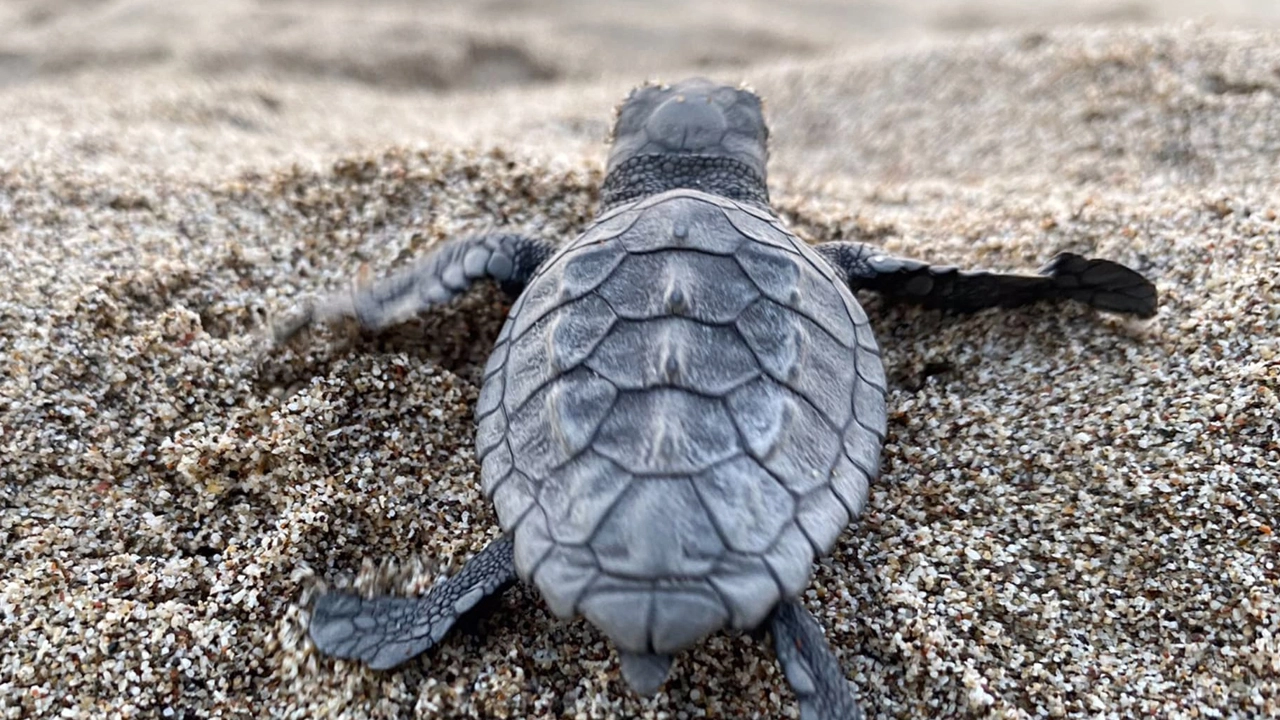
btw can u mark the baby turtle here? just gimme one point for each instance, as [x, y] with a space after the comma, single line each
[685, 406]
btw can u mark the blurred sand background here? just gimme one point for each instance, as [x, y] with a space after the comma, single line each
[246, 85]
[1077, 521]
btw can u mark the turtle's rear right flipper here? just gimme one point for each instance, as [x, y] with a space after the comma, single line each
[1103, 284]
[384, 632]
[809, 665]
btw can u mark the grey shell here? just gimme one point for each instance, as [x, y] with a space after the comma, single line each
[684, 409]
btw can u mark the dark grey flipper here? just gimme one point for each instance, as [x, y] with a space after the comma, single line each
[511, 260]
[1102, 284]
[811, 668]
[386, 631]
[645, 673]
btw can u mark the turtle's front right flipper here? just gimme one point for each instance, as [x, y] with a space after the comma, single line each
[384, 632]
[1103, 284]
[447, 272]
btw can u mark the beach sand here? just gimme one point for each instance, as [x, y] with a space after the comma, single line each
[1079, 519]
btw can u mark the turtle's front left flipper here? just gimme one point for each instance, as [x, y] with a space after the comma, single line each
[510, 260]
[1103, 284]
[384, 632]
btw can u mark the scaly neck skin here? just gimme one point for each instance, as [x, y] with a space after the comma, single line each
[645, 175]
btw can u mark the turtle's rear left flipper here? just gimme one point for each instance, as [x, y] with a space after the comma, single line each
[384, 632]
[1103, 284]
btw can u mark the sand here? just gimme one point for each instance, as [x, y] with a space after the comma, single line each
[1077, 520]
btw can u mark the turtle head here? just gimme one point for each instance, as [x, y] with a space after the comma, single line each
[694, 134]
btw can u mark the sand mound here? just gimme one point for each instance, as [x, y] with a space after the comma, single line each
[1077, 520]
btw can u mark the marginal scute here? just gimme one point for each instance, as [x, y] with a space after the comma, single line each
[869, 409]
[512, 500]
[822, 517]
[491, 434]
[870, 368]
[791, 560]
[496, 461]
[828, 273]
[762, 214]
[490, 395]
[851, 485]
[537, 300]
[623, 615]
[751, 225]
[606, 228]
[505, 333]
[863, 449]
[863, 334]
[681, 618]
[498, 358]
[747, 586]
[564, 576]
[533, 543]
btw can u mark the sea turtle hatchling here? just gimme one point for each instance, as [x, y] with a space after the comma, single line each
[685, 406]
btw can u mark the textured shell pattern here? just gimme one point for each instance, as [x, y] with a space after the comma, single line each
[684, 408]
